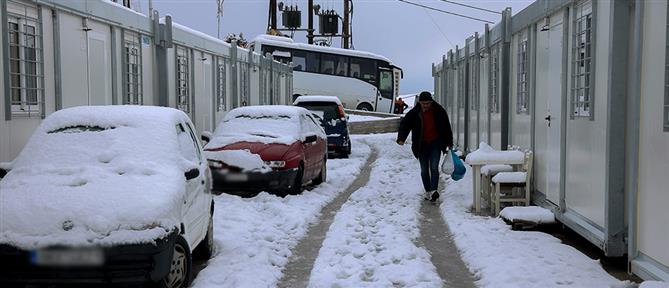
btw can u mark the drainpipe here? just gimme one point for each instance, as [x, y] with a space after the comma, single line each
[633, 126]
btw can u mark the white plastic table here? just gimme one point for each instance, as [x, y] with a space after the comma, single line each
[477, 159]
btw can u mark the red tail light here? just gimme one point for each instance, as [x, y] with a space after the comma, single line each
[342, 115]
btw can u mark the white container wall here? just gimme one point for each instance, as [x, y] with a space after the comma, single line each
[98, 53]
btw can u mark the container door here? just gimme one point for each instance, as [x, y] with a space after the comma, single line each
[98, 66]
[552, 117]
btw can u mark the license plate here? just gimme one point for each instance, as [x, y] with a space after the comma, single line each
[68, 257]
[237, 177]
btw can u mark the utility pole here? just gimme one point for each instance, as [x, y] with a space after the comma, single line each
[310, 28]
[346, 37]
[219, 14]
[272, 16]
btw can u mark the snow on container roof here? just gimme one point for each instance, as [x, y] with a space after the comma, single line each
[272, 40]
[317, 98]
[115, 173]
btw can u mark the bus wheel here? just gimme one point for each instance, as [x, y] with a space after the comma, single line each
[365, 107]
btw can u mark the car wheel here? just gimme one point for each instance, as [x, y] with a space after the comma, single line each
[322, 177]
[205, 249]
[180, 266]
[296, 188]
[365, 107]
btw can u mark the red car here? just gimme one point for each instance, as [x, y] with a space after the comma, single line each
[267, 148]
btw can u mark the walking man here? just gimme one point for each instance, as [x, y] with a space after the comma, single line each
[431, 135]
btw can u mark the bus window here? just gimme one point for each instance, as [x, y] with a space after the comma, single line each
[364, 69]
[299, 61]
[342, 66]
[313, 62]
[328, 64]
[386, 84]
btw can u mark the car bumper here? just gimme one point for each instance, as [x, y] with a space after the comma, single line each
[250, 183]
[338, 145]
[123, 264]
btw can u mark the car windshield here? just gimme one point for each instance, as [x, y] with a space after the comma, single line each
[326, 110]
[265, 126]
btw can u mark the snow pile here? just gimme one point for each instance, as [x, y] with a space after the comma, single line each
[263, 124]
[500, 257]
[654, 284]
[493, 169]
[534, 214]
[371, 241]
[254, 236]
[317, 98]
[510, 177]
[362, 118]
[486, 154]
[243, 159]
[110, 174]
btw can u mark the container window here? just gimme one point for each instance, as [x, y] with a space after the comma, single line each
[26, 68]
[183, 79]
[582, 62]
[522, 84]
[132, 68]
[494, 80]
[221, 81]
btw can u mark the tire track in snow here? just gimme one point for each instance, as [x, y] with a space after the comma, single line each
[298, 269]
[436, 237]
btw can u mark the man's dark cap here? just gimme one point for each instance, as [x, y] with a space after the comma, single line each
[425, 96]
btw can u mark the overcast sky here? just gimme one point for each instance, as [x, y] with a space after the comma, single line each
[410, 36]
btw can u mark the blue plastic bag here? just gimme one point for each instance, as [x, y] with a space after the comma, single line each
[460, 170]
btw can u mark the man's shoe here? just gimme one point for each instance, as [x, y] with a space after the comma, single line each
[428, 195]
[435, 196]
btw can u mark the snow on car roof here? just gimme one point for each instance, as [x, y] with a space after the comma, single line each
[317, 98]
[115, 173]
[264, 124]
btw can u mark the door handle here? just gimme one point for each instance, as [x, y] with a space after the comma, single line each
[548, 118]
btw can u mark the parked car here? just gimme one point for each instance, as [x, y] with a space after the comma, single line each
[267, 148]
[107, 194]
[333, 119]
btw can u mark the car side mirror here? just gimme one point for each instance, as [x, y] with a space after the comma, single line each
[3, 172]
[310, 139]
[192, 173]
[205, 137]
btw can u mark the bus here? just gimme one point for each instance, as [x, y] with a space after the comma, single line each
[361, 80]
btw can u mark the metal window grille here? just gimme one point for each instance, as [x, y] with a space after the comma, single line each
[461, 86]
[522, 105]
[26, 60]
[582, 62]
[474, 83]
[221, 81]
[183, 79]
[666, 79]
[132, 68]
[494, 80]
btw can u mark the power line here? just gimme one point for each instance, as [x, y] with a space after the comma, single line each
[451, 13]
[438, 28]
[473, 7]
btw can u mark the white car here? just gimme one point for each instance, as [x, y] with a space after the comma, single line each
[107, 194]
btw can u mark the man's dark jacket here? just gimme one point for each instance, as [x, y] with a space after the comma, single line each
[413, 122]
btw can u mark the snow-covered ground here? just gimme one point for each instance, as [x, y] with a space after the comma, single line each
[501, 257]
[371, 242]
[254, 236]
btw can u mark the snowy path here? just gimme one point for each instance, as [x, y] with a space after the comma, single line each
[371, 242]
[501, 257]
[438, 240]
[254, 236]
[296, 273]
